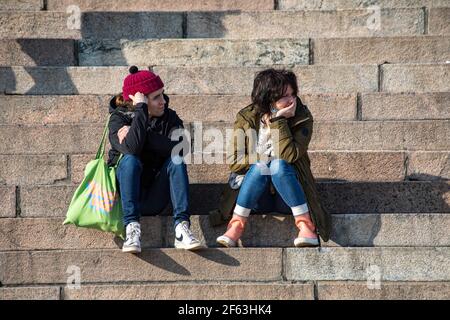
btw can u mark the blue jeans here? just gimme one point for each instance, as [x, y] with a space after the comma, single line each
[255, 195]
[171, 183]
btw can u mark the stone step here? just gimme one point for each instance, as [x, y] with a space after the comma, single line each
[21, 5]
[394, 78]
[336, 197]
[325, 165]
[38, 110]
[35, 52]
[309, 24]
[230, 25]
[349, 230]
[242, 264]
[439, 18]
[312, 78]
[194, 52]
[355, 4]
[357, 166]
[325, 290]
[431, 135]
[225, 52]
[420, 49]
[161, 5]
[427, 135]
[73, 24]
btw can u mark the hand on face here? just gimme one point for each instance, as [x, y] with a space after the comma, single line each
[289, 111]
[138, 98]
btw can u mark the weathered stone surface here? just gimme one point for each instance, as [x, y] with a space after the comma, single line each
[348, 230]
[21, 5]
[30, 293]
[387, 135]
[35, 25]
[325, 165]
[350, 290]
[356, 135]
[390, 230]
[60, 80]
[386, 197]
[305, 24]
[234, 80]
[51, 139]
[161, 5]
[46, 201]
[354, 4]
[416, 78]
[194, 52]
[337, 197]
[35, 52]
[42, 110]
[420, 49]
[102, 266]
[200, 291]
[357, 166]
[71, 23]
[50, 234]
[35, 169]
[404, 106]
[438, 20]
[428, 165]
[81, 109]
[384, 264]
[8, 201]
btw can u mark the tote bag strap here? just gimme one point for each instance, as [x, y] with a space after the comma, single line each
[101, 148]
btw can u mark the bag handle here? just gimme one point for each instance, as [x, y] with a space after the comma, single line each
[101, 148]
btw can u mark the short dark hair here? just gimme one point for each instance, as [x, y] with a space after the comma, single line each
[270, 85]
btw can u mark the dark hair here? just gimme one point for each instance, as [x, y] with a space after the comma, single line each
[121, 102]
[270, 85]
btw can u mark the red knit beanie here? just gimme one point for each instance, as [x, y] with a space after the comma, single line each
[143, 81]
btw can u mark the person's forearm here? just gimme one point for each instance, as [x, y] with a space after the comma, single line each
[136, 136]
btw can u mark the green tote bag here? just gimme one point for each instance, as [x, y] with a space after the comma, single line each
[96, 203]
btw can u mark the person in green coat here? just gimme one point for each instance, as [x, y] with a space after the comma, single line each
[270, 169]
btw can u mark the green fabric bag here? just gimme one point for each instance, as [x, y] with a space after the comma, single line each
[96, 203]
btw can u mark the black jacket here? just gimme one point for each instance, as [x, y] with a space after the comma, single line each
[147, 138]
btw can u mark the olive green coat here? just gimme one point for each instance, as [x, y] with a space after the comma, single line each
[294, 137]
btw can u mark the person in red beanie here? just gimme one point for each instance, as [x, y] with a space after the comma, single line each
[149, 176]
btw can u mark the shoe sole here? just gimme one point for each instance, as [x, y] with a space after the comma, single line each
[225, 243]
[192, 247]
[131, 250]
[306, 244]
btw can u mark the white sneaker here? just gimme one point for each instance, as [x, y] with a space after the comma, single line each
[306, 242]
[184, 238]
[226, 242]
[132, 243]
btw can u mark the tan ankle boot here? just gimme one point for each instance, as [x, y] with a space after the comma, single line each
[307, 236]
[234, 232]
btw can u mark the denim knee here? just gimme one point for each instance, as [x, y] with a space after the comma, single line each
[131, 164]
[258, 171]
[280, 168]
